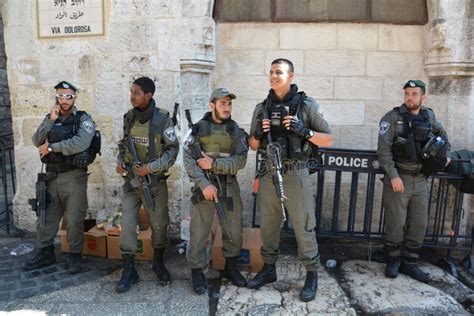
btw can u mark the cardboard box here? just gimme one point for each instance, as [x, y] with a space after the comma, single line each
[250, 259]
[144, 246]
[95, 242]
[143, 221]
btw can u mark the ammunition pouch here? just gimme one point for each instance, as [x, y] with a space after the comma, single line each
[404, 149]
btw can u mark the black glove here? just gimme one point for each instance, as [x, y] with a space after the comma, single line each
[297, 127]
[258, 133]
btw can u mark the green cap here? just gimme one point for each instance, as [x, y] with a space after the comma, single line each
[221, 93]
[414, 84]
[65, 85]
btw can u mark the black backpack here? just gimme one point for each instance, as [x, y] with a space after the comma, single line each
[85, 158]
[463, 169]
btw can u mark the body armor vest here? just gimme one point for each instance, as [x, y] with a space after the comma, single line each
[293, 146]
[412, 132]
[62, 130]
[216, 139]
[140, 135]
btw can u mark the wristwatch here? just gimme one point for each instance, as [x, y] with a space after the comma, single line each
[50, 150]
[309, 134]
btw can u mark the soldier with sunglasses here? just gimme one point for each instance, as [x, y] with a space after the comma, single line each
[63, 133]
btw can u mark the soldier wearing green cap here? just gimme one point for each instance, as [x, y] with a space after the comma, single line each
[297, 125]
[216, 148]
[404, 134]
[64, 133]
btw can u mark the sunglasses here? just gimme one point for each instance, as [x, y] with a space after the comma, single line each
[65, 96]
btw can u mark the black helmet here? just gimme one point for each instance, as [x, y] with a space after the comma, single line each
[435, 147]
[434, 155]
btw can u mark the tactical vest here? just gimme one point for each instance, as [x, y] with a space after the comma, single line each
[216, 139]
[141, 132]
[60, 131]
[292, 145]
[412, 132]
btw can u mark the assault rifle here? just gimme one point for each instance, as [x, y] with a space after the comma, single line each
[274, 153]
[139, 181]
[174, 118]
[42, 199]
[196, 152]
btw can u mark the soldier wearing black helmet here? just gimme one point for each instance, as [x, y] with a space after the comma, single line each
[64, 133]
[412, 144]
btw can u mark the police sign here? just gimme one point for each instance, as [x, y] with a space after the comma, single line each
[364, 162]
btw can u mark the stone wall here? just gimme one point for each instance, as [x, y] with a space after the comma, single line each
[449, 63]
[148, 37]
[355, 71]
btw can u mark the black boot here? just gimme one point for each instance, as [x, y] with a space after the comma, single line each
[392, 266]
[44, 258]
[266, 275]
[413, 271]
[310, 286]
[232, 274]
[75, 263]
[129, 274]
[159, 267]
[199, 281]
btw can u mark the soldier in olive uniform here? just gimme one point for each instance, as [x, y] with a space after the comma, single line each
[404, 134]
[296, 124]
[217, 148]
[64, 133]
[151, 131]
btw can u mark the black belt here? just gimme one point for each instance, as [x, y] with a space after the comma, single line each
[414, 173]
[295, 166]
[61, 168]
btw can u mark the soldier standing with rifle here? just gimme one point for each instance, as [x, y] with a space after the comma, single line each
[146, 152]
[64, 133]
[406, 134]
[285, 126]
[213, 153]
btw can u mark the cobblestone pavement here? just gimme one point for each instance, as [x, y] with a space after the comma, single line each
[355, 286]
[16, 284]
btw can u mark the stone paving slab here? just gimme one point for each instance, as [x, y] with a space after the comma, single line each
[99, 297]
[357, 286]
[282, 297]
[374, 293]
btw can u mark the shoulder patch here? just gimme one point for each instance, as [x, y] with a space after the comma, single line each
[169, 134]
[384, 126]
[88, 126]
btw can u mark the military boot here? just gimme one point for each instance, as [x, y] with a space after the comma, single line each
[129, 275]
[232, 274]
[392, 266]
[44, 258]
[411, 269]
[159, 267]
[310, 286]
[75, 263]
[199, 281]
[266, 275]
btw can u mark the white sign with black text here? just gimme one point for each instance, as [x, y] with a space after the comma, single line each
[70, 18]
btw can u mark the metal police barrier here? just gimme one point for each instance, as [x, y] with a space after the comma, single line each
[7, 182]
[348, 201]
